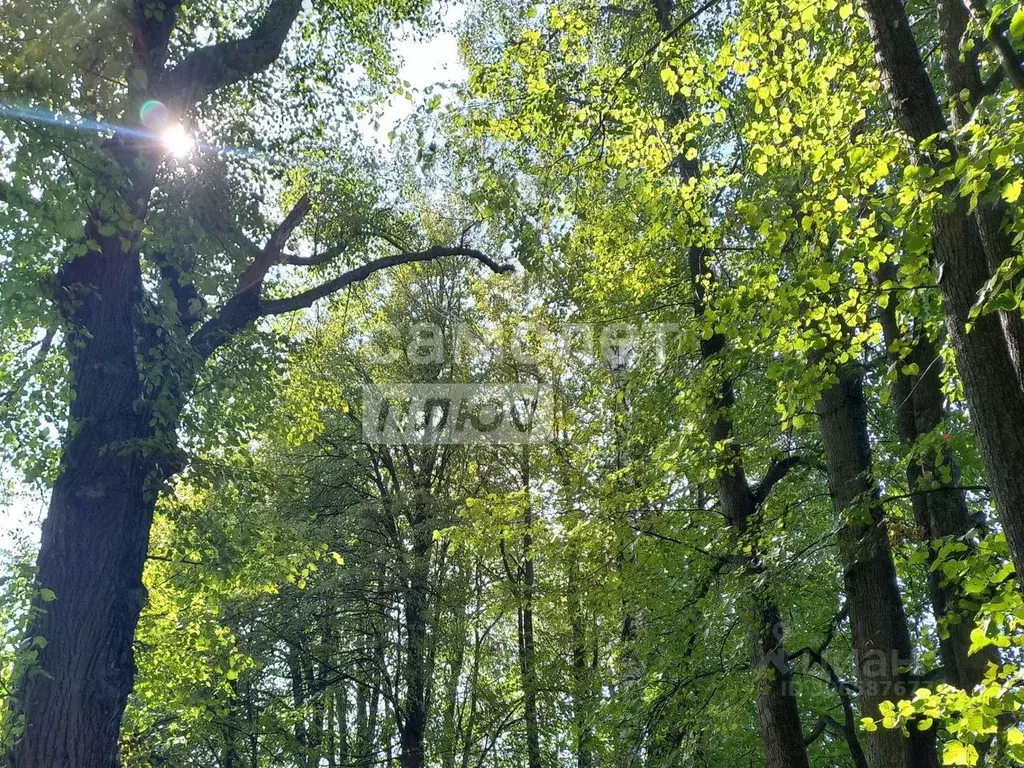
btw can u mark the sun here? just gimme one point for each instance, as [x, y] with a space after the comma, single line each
[176, 140]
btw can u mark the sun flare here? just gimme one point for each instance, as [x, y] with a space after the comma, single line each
[176, 140]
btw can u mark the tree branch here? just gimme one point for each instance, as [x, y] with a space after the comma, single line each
[825, 723]
[208, 69]
[776, 472]
[44, 350]
[317, 259]
[247, 306]
[307, 298]
[270, 254]
[995, 34]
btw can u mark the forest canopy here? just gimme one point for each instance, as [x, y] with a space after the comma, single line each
[643, 389]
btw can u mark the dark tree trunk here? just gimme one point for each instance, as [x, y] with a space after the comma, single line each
[299, 704]
[452, 720]
[582, 694]
[341, 716]
[96, 533]
[881, 639]
[962, 75]
[777, 711]
[938, 511]
[984, 360]
[414, 707]
[528, 654]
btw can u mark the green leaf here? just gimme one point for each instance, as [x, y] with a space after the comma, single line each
[1017, 24]
[958, 753]
[1011, 192]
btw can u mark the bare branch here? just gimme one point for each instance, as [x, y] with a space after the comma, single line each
[825, 723]
[270, 254]
[208, 69]
[247, 306]
[307, 298]
[776, 473]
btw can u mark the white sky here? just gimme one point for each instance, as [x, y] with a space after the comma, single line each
[423, 64]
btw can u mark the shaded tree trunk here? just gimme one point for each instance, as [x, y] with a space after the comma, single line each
[984, 361]
[298, 703]
[417, 588]
[582, 694]
[938, 511]
[96, 533]
[881, 639]
[527, 647]
[775, 702]
[960, 68]
[114, 458]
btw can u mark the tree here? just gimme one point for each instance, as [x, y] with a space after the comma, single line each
[134, 356]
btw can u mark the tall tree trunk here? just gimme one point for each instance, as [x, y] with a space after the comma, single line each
[299, 704]
[417, 588]
[881, 639]
[777, 711]
[962, 76]
[96, 533]
[941, 511]
[252, 723]
[316, 720]
[582, 695]
[527, 645]
[330, 730]
[341, 717]
[452, 720]
[984, 362]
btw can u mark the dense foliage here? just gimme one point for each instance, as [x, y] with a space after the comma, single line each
[746, 275]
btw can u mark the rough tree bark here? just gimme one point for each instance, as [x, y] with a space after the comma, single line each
[881, 639]
[962, 76]
[984, 361]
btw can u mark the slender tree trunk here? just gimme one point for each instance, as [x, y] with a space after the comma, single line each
[452, 721]
[582, 699]
[341, 714]
[984, 361]
[940, 510]
[881, 639]
[299, 704]
[331, 731]
[474, 676]
[316, 720]
[414, 715]
[776, 704]
[527, 646]
[253, 724]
